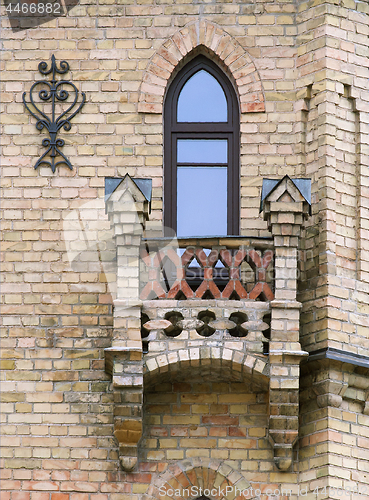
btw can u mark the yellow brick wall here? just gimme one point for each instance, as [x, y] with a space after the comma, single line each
[333, 448]
[334, 155]
[57, 410]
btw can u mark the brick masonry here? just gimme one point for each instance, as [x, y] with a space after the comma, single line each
[300, 72]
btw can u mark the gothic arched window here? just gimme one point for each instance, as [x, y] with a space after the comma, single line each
[201, 152]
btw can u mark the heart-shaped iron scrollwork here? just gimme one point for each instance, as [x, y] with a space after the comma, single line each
[51, 94]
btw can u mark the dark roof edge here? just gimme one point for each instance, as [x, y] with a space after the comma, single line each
[339, 355]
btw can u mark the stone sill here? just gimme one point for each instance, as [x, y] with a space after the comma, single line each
[214, 241]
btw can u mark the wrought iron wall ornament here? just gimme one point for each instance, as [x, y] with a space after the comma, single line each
[54, 92]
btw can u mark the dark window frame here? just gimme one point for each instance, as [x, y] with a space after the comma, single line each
[174, 130]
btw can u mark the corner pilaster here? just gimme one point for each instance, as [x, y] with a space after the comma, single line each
[285, 207]
[127, 206]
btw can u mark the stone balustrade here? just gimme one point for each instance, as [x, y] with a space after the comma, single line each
[169, 325]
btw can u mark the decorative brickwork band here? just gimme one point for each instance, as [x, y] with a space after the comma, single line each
[222, 46]
[286, 205]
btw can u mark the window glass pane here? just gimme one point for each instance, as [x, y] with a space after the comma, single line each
[202, 150]
[201, 201]
[202, 99]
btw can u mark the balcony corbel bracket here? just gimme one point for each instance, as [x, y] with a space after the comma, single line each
[126, 369]
[53, 93]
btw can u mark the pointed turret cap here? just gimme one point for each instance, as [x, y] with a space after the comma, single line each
[144, 186]
[303, 187]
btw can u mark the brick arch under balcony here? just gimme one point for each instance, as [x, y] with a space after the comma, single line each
[188, 479]
[195, 38]
[208, 363]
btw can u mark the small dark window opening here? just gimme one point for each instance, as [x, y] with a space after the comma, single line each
[201, 153]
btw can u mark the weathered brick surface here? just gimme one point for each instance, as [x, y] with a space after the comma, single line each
[300, 71]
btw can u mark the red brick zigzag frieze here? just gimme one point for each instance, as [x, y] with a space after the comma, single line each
[258, 263]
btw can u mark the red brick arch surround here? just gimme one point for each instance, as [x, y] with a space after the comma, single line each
[191, 478]
[215, 41]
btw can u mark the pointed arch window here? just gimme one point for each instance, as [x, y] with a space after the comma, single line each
[201, 152]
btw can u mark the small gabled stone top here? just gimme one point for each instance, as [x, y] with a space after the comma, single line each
[271, 186]
[112, 184]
